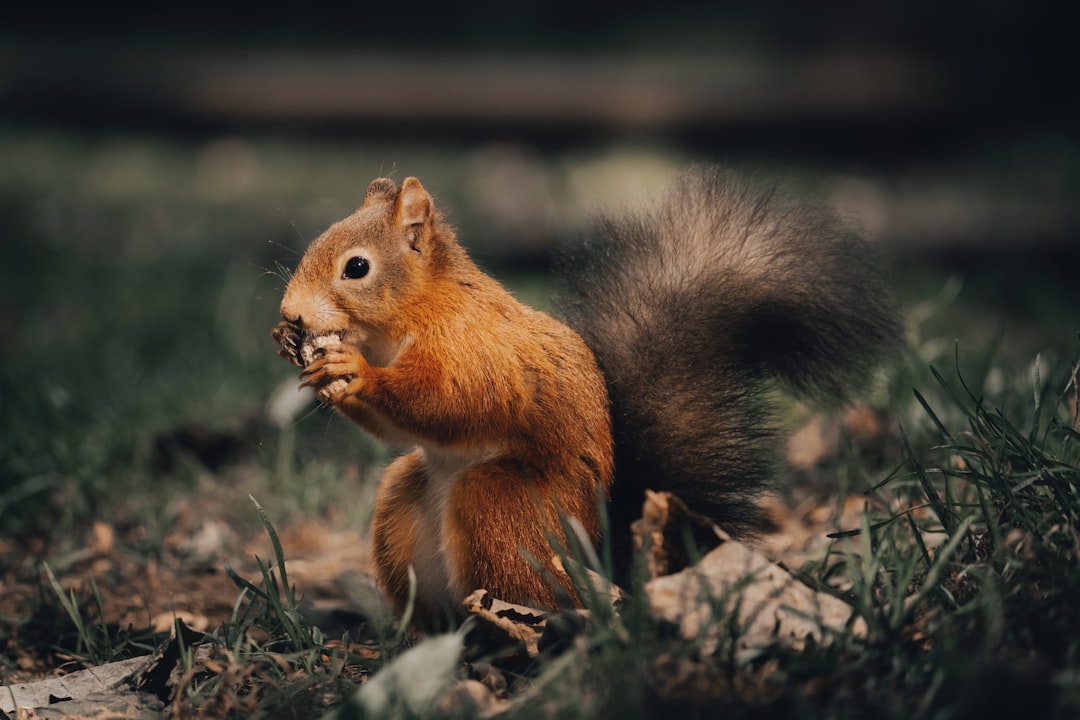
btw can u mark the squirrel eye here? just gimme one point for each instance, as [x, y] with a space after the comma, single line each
[356, 268]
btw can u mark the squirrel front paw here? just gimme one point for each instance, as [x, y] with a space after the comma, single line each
[336, 373]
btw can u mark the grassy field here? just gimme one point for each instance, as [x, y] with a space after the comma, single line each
[140, 281]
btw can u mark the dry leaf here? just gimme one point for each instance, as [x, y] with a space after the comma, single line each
[770, 604]
[507, 622]
[80, 692]
[662, 531]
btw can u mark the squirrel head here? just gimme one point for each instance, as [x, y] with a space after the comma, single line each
[357, 279]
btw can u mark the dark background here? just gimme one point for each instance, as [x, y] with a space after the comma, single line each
[161, 169]
[961, 116]
[968, 77]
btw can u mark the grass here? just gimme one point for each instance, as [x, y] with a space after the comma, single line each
[980, 553]
[136, 298]
[966, 581]
[95, 642]
[268, 659]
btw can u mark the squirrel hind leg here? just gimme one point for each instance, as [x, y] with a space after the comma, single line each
[402, 536]
[471, 538]
[496, 521]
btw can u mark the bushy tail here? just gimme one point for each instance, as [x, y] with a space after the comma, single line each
[696, 309]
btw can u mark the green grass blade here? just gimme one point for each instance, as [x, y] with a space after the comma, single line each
[279, 553]
[933, 416]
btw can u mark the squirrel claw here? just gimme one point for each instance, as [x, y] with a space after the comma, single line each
[290, 355]
[287, 335]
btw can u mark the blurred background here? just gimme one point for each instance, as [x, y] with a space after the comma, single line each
[162, 167]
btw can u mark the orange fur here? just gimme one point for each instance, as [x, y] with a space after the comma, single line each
[504, 406]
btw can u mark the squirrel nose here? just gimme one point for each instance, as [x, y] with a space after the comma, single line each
[292, 318]
[290, 308]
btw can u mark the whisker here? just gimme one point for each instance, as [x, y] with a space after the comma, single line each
[394, 169]
[299, 235]
[288, 248]
[279, 271]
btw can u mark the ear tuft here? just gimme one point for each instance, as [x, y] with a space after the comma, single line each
[380, 190]
[414, 206]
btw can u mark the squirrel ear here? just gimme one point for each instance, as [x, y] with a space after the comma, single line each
[414, 204]
[379, 191]
[413, 211]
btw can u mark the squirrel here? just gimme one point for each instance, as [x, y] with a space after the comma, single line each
[678, 322]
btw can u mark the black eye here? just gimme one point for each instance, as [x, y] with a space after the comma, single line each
[356, 268]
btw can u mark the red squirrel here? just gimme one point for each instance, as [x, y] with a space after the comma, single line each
[679, 321]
